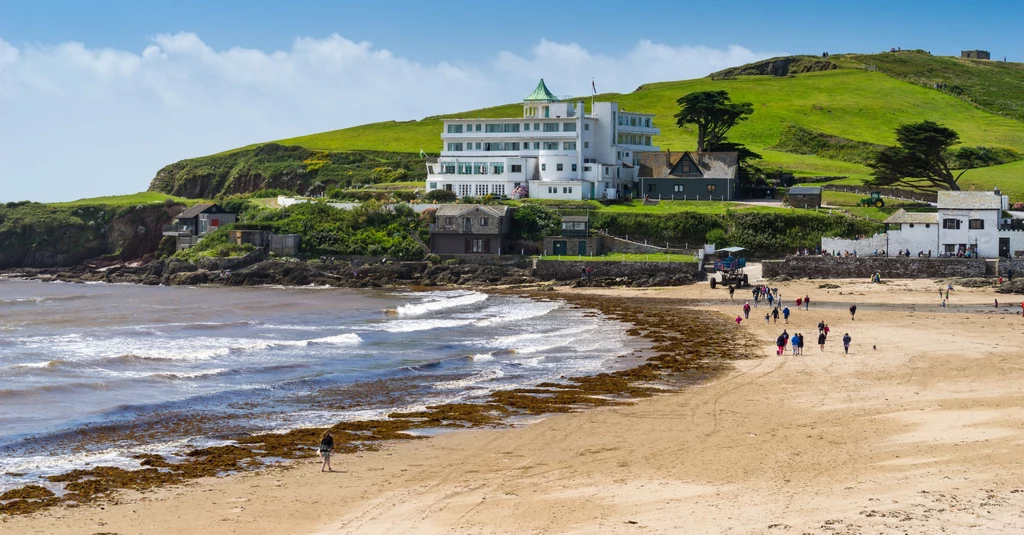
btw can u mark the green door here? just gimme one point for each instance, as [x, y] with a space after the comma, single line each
[558, 247]
[583, 247]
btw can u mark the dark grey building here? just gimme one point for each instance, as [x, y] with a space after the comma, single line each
[975, 54]
[470, 229]
[804, 196]
[197, 221]
[689, 175]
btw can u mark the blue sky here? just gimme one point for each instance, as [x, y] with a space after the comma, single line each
[125, 87]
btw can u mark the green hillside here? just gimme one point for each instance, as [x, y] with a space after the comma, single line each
[860, 98]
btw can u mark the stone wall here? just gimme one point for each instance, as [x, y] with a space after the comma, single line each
[823, 267]
[1017, 264]
[612, 244]
[570, 270]
[572, 246]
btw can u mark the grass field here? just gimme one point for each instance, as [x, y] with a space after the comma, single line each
[145, 197]
[670, 207]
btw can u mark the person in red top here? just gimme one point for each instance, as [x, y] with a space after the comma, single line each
[746, 310]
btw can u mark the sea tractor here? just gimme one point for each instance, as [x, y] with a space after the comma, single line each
[731, 268]
[874, 200]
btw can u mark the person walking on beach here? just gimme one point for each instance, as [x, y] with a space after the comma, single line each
[746, 310]
[807, 302]
[767, 318]
[821, 326]
[785, 336]
[780, 345]
[770, 299]
[738, 319]
[785, 313]
[826, 330]
[853, 311]
[801, 352]
[732, 290]
[846, 343]
[821, 341]
[326, 448]
[775, 315]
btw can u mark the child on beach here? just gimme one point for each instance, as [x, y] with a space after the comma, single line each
[826, 330]
[846, 343]
[326, 447]
[738, 320]
[785, 314]
[767, 319]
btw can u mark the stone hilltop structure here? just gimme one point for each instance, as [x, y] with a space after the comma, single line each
[554, 151]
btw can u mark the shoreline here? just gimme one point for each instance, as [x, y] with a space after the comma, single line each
[921, 433]
[498, 409]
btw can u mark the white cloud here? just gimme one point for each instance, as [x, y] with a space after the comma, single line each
[78, 121]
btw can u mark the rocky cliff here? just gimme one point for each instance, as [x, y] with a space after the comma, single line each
[34, 235]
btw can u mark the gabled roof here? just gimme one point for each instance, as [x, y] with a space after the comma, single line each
[970, 200]
[197, 209]
[541, 93]
[902, 216]
[710, 164]
[805, 190]
[456, 210]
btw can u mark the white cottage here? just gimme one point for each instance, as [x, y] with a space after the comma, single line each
[966, 221]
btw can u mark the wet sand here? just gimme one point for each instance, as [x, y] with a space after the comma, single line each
[920, 434]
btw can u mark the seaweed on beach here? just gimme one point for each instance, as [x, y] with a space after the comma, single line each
[686, 346]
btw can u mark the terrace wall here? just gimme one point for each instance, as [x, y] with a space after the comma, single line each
[824, 267]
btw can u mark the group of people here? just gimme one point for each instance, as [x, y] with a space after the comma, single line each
[778, 309]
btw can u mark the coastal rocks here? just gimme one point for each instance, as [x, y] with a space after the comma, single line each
[1014, 287]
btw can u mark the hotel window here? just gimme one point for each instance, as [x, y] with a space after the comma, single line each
[448, 169]
[712, 188]
[454, 147]
[551, 127]
[558, 167]
[477, 127]
[568, 145]
[574, 168]
[606, 170]
[512, 127]
[483, 221]
[494, 128]
[566, 190]
[433, 185]
[552, 190]
[678, 188]
[477, 145]
[430, 169]
[455, 129]
[550, 145]
[463, 190]
[568, 127]
[536, 127]
[647, 122]
[481, 190]
[586, 168]
[536, 145]
[497, 168]
[512, 146]
[516, 168]
[586, 144]
[526, 127]
[498, 189]
[543, 167]
[951, 224]
[949, 248]
[586, 127]
[647, 140]
[976, 224]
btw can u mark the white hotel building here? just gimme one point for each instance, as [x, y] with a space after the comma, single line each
[555, 151]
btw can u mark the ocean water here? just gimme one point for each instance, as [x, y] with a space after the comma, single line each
[91, 374]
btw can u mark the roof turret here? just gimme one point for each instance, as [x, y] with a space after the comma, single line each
[541, 93]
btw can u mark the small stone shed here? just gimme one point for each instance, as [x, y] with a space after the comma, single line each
[804, 196]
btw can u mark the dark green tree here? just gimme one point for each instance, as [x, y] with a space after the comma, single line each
[714, 113]
[919, 160]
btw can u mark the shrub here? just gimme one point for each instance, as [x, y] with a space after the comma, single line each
[533, 222]
[441, 196]
[405, 196]
[717, 237]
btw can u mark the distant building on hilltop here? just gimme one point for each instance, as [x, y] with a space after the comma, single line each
[555, 151]
[975, 54]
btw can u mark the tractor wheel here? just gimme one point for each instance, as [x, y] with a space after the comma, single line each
[714, 282]
[746, 280]
[879, 203]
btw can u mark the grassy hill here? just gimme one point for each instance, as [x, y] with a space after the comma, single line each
[859, 98]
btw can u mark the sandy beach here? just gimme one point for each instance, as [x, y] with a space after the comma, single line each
[920, 429]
